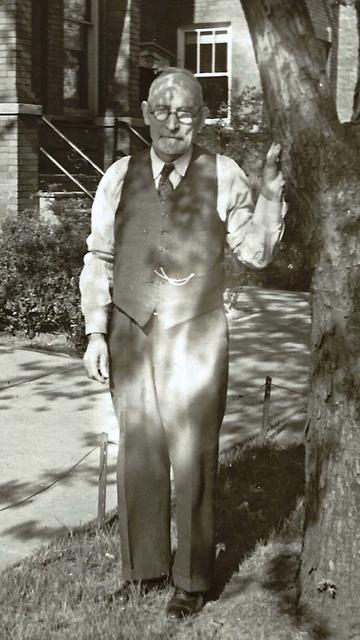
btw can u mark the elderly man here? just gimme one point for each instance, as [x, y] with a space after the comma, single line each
[152, 299]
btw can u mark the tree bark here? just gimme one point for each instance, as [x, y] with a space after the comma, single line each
[323, 182]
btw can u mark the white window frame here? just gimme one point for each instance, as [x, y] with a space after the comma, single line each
[92, 61]
[198, 29]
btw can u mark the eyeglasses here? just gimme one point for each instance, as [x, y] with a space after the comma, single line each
[185, 117]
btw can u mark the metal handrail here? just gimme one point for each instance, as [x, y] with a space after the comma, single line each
[81, 153]
[136, 133]
[66, 172]
[71, 144]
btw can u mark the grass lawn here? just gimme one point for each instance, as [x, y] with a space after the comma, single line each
[60, 593]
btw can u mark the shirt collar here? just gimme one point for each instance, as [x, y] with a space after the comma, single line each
[181, 164]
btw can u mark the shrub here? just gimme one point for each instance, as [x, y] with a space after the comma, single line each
[40, 263]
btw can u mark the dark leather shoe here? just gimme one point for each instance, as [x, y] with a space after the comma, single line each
[183, 604]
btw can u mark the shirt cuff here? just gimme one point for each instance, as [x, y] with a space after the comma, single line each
[275, 197]
[269, 212]
[96, 321]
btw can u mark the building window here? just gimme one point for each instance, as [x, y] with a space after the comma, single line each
[206, 52]
[79, 54]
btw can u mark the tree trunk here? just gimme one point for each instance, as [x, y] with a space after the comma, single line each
[323, 182]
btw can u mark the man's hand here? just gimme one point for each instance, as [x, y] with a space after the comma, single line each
[272, 179]
[96, 358]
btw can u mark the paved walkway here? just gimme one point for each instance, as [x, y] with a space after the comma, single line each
[51, 415]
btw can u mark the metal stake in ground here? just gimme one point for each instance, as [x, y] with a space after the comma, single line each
[102, 481]
[266, 407]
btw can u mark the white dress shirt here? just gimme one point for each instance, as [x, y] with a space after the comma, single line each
[251, 233]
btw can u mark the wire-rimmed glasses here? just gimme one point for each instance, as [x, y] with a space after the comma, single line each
[184, 116]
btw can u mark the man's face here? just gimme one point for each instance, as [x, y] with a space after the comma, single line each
[176, 93]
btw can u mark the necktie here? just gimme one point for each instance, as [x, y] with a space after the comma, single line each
[165, 187]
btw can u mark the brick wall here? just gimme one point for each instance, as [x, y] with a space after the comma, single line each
[15, 51]
[8, 165]
[18, 129]
[133, 81]
[8, 51]
[23, 51]
[18, 164]
[324, 17]
[320, 17]
[333, 56]
[28, 179]
[347, 62]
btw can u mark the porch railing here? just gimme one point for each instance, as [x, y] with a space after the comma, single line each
[66, 173]
[119, 122]
[79, 151]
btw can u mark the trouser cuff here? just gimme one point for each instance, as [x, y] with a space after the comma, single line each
[145, 573]
[193, 584]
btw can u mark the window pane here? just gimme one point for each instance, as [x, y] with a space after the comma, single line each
[190, 57]
[75, 80]
[74, 36]
[206, 37]
[77, 9]
[221, 35]
[215, 93]
[220, 57]
[206, 58]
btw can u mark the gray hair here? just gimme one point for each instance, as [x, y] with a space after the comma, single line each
[187, 75]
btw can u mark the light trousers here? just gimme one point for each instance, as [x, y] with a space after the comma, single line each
[169, 390]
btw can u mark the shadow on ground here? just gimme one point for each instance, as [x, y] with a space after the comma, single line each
[258, 487]
[280, 577]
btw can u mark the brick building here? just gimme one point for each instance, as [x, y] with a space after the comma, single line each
[84, 65]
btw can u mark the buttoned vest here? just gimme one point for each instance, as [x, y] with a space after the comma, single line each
[169, 261]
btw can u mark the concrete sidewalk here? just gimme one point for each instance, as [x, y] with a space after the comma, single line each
[51, 415]
[270, 339]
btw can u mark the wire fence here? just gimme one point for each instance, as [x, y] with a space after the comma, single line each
[270, 426]
[54, 482]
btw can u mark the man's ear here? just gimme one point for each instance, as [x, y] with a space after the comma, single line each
[146, 112]
[204, 114]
